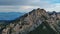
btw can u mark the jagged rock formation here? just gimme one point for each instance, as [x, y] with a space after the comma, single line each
[29, 22]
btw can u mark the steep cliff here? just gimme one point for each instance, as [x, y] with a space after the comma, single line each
[29, 22]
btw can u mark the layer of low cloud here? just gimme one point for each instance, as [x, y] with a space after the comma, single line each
[28, 5]
[17, 8]
[53, 7]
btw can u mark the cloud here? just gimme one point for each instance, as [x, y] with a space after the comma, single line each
[8, 8]
[54, 7]
[28, 8]
[28, 5]
[17, 8]
[21, 2]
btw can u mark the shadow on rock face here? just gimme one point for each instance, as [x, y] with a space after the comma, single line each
[42, 30]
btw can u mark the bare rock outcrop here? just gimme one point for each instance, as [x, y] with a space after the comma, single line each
[29, 22]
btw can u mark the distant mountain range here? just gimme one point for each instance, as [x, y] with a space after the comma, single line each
[10, 15]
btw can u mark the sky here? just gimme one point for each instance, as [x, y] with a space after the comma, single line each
[28, 5]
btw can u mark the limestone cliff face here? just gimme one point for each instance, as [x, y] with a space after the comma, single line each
[27, 22]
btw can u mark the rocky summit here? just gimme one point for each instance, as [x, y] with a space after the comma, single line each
[37, 21]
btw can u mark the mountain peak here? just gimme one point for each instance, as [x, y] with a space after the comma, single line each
[29, 22]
